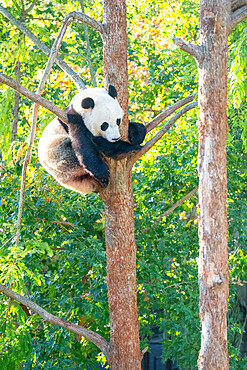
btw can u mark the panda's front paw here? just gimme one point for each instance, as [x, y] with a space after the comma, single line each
[137, 133]
[75, 119]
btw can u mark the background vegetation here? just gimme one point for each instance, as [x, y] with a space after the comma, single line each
[60, 261]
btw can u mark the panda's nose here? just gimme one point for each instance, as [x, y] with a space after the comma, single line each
[116, 139]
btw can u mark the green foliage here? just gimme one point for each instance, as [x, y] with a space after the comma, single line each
[60, 262]
[238, 68]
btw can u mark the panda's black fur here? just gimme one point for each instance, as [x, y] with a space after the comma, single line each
[73, 154]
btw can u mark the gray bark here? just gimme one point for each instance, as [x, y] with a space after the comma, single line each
[212, 128]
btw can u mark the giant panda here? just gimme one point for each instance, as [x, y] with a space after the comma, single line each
[72, 153]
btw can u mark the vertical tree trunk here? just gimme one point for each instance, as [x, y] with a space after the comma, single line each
[115, 53]
[213, 257]
[118, 200]
[121, 269]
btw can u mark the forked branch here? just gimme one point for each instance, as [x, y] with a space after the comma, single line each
[135, 156]
[95, 338]
[158, 119]
[194, 50]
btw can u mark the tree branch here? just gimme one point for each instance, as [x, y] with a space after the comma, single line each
[152, 124]
[54, 51]
[93, 80]
[81, 17]
[135, 156]
[177, 284]
[194, 50]
[95, 338]
[238, 16]
[6, 80]
[30, 8]
[236, 4]
[171, 209]
[63, 65]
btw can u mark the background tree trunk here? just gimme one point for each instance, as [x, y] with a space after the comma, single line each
[212, 127]
[118, 200]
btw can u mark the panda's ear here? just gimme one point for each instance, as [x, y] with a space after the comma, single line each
[87, 103]
[112, 91]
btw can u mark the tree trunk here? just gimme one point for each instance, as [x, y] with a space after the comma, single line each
[118, 200]
[121, 269]
[115, 54]
[213, 257]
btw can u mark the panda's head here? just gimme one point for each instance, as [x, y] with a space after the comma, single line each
[100, 111]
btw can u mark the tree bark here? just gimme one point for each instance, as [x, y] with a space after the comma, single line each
[121, 269]
[115, 44]
[212, 127]
[118, 200]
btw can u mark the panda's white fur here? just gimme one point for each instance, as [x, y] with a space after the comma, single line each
[55, 149]
[106, 109]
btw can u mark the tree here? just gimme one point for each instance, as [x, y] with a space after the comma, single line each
[217, 21]
[120, 243]
[123, 351]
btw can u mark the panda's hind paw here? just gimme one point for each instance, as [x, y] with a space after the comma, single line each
[102, 176]
[103, 181]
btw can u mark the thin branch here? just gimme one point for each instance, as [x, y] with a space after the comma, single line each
[94, 83]
[171, 209]
[194, 50]
[54, 51]
[63, 65]
[178, 284]
[30, 8]
[135, 156]
[95, 338]
[238, 16]
[143, 352]
[152, 124]
[6, 80]
[31, 18]
[63, 223]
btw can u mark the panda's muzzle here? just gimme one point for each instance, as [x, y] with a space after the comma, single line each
[116, 139]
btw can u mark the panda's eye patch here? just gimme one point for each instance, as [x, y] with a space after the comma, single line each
[118, 121]
[104, 126]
